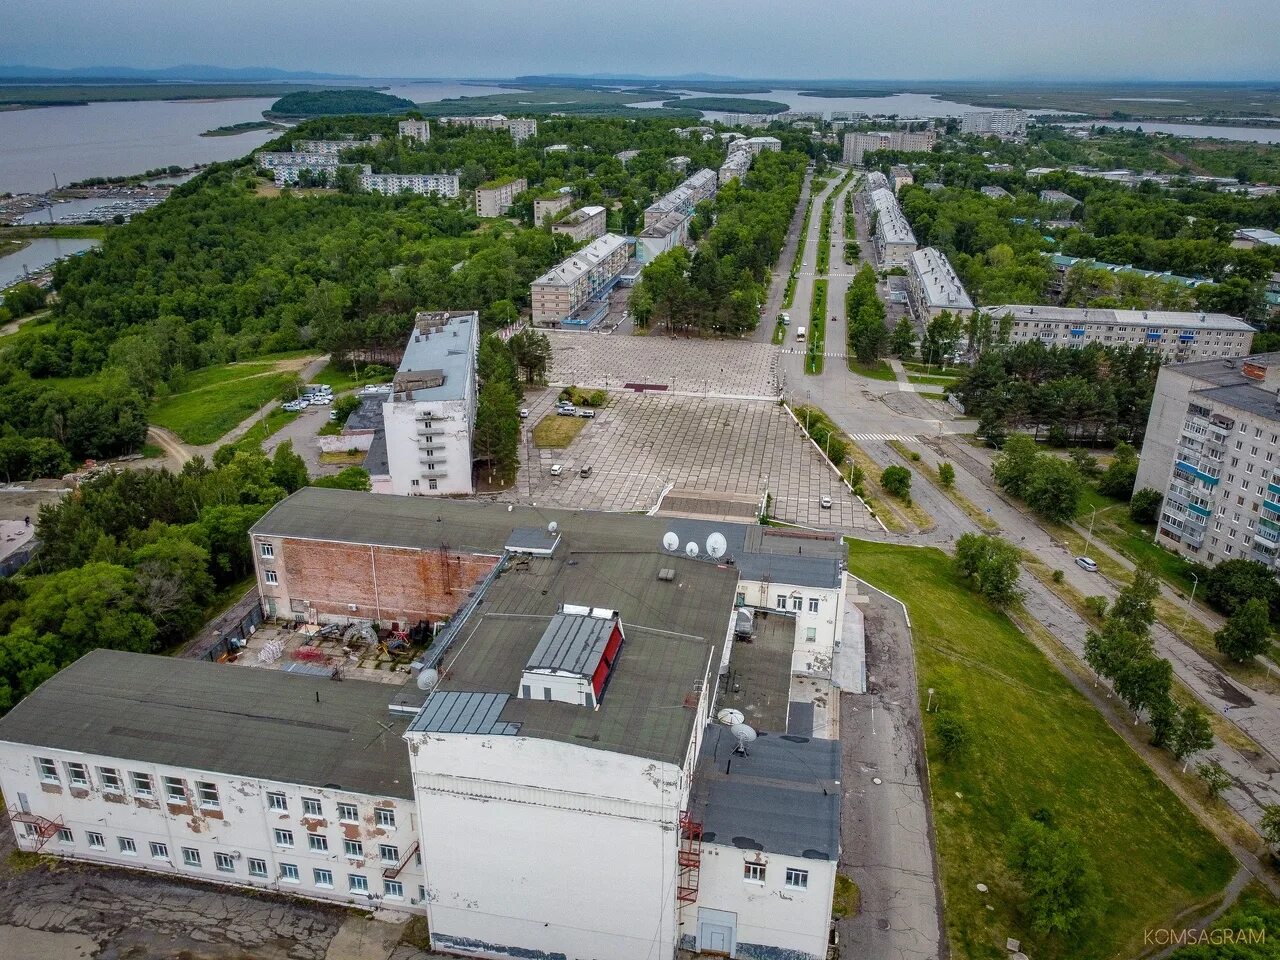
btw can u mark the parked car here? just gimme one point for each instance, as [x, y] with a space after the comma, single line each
[333, 414]
[825, 502]
[569, 411]
[584, 472]
[557, 469]
[1087, 563]
[322, 400]
[584, 412]
[524, 413]
[784, 319]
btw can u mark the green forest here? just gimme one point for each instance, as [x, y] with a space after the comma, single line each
[322, 103]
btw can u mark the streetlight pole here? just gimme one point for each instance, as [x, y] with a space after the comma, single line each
[1089, 539]
[1186, 613]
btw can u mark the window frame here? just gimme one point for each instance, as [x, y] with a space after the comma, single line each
[106, 775]
[267, 551]
[137, 781]
[48, 770]
[322, 884]
[257, 868]
[357, 883]
[277, 801]
[95, 840]
[289, 873]
[814, 604]
[382, 853]
[159, 850]
[384, 817]
[754, 873]
[796, 878]
[224, 862]
[388, 886]
[283, 838]
[271, 578]
[317, 843]
[353, 849]
[66, 836]
[83, 781]
[191, 857]
[342, 815]
[127, 846]
[204, 802]
[169, 783]
[312, 807]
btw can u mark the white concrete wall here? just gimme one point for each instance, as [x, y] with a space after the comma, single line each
[243, 826]
[808, 656]
[771, 914]
[1164, 428]
[400, 420]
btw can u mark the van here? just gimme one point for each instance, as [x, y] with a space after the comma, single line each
[800, 333]
[584, 472]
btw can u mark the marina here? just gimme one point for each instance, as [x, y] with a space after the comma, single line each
[39, 255]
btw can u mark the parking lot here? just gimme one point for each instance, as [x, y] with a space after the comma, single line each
[640, 444]
[726, 368]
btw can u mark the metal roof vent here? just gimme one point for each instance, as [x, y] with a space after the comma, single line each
[666, 574]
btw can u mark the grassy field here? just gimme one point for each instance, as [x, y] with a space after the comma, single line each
[554, 431]
[814, 359]
[879, 370]
[1035, 743]
[46, 95]
[893, 513]
[340, 379]
[203, 415]
[932, 381]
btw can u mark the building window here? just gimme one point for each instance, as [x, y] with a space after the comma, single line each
[782, 602]
[384, 817]
[267, 551]
[389, 853]
[353, 848]
[66, 836]
[811, 634]
[96, 841]
[284, 838]
[48, 770]
[797, 879]
[142, 785]
[277, 801]
[289, 872]
[357, 883]
[191, 856]
[797, 604]
[753, 872]
[323, 878]
[414, 482]
[77, 774]
[813, 604]
[311, 807]
[270, 576]
[422, 893]
[175, 790]
[257, 868]
[394, 889]
[208, 794]
[317, 843]
[347, 813]
[127, 846]
[159, 851]
[110, 779]
[224, 862]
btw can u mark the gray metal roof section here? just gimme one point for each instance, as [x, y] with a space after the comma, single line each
[783, 797]
[459, 711]
[441, 346]
[1224, 372]
[1249, 396]
[375, 461]
[367, 416]
[240, 721]
[532, 540]
[572, 643]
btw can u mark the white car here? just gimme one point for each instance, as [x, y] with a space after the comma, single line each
[1086, 563]
[524, 413]
[825, 502]
[557, 469]
[322, 400]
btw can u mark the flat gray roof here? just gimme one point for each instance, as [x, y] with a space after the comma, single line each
[239, 721]
[783, 797]
[438, 357]
[1251, 397]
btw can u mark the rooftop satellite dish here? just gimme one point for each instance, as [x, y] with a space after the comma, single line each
[717, 545]
[730, 717]
[427, 679]
[744, 735]
[691, 549]
[670, 541]
[552, 527]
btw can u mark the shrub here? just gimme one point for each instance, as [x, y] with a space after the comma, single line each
[953, 736]
[897, 482]
[1145, 505]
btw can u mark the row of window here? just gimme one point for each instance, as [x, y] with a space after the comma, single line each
[317, 843]
[797, 602]
[226, 863]
[795, 879]
[175, 791]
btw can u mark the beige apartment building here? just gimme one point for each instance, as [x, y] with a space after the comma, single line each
[546, 208]
[494, 199]
[560, 295]
[857, 145]
[585, 223]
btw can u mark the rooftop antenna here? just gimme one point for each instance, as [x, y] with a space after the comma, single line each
[717, 545]
[691, 549]
[730, 717]
[427, 679]
[744, 735]
[670, 541]
[552, 527]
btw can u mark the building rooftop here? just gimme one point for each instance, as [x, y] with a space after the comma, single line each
[1063, 262]
[669, 223]
[375, 461]
[1258, 235]
[498, 183]
[572, 643]
[939, 285]
[1129, 318]
[876, 181]
[261, 724]
[1249, 396]
[890, 220]
[576, 265]
[580, 215]
[346, 516]
[439, 357]
[783, 797]
[367, 416]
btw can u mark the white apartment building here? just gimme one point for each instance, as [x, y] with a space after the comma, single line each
[429, 416]
[415, 130]
[1003, 123]
[684, 198]
[662, 235]
[995, 193]
[570, 292]
[332, 148]
[585, 223]
[857, 145]
[286, 168]
[1212, 447]
[679, 164]
[494, 199]
[495, 122]
[438, 184]
[900, 176]
[1177, 336]
[251, 777]
[894, 239]
[626, 156]
[735, 166]
[547, 207]
[756, 145]
[522, 129]
[933, 287]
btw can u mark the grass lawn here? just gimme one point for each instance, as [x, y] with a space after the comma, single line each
[879, 370]
[204, 414]
[554, 431]
[779, 333]
[340, 378]
[932, 381]
[893, 513]
[1034, 743]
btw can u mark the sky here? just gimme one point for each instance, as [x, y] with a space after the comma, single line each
[809, 39]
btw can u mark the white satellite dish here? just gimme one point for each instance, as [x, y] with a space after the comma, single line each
[670, 540]
[552, 527]
[428, 678]
[730, 717]
[717, 545]
[744, 735]
[691, 549]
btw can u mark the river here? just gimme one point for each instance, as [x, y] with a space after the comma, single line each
[37, 255]
[1195, 130]
[906, 105]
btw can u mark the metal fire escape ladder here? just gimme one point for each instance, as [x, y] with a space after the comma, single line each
[390, 873]
[44, 828]
[689, 859]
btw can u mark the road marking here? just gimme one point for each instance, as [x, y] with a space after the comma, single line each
[901, 438]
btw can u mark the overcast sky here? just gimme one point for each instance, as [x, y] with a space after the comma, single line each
[866, 39]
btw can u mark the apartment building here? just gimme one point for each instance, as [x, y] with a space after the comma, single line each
[662, 235]
[1249, 237]
[1002, 123]
[933, 287]
[419, 130]
[495, 122]
[494, 199]
[435, 184]
[735, 166]
[522, 129]
[756, 145]
[857, 145]
[1058, 198]
[626, 156]
[684, 198]
[900, 176]
[286, 168]
[546, 208]
[571, 293]
[1177, 336]
[332, 148]
[894, 239]
[429, 416]
[585, 223]
[995, 193]
[1212, 447]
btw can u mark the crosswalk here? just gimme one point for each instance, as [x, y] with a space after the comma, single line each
[882, 437]
[837, 356]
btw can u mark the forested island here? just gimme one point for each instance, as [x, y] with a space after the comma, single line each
[727, 104]
[247, 126]
[324, 103]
